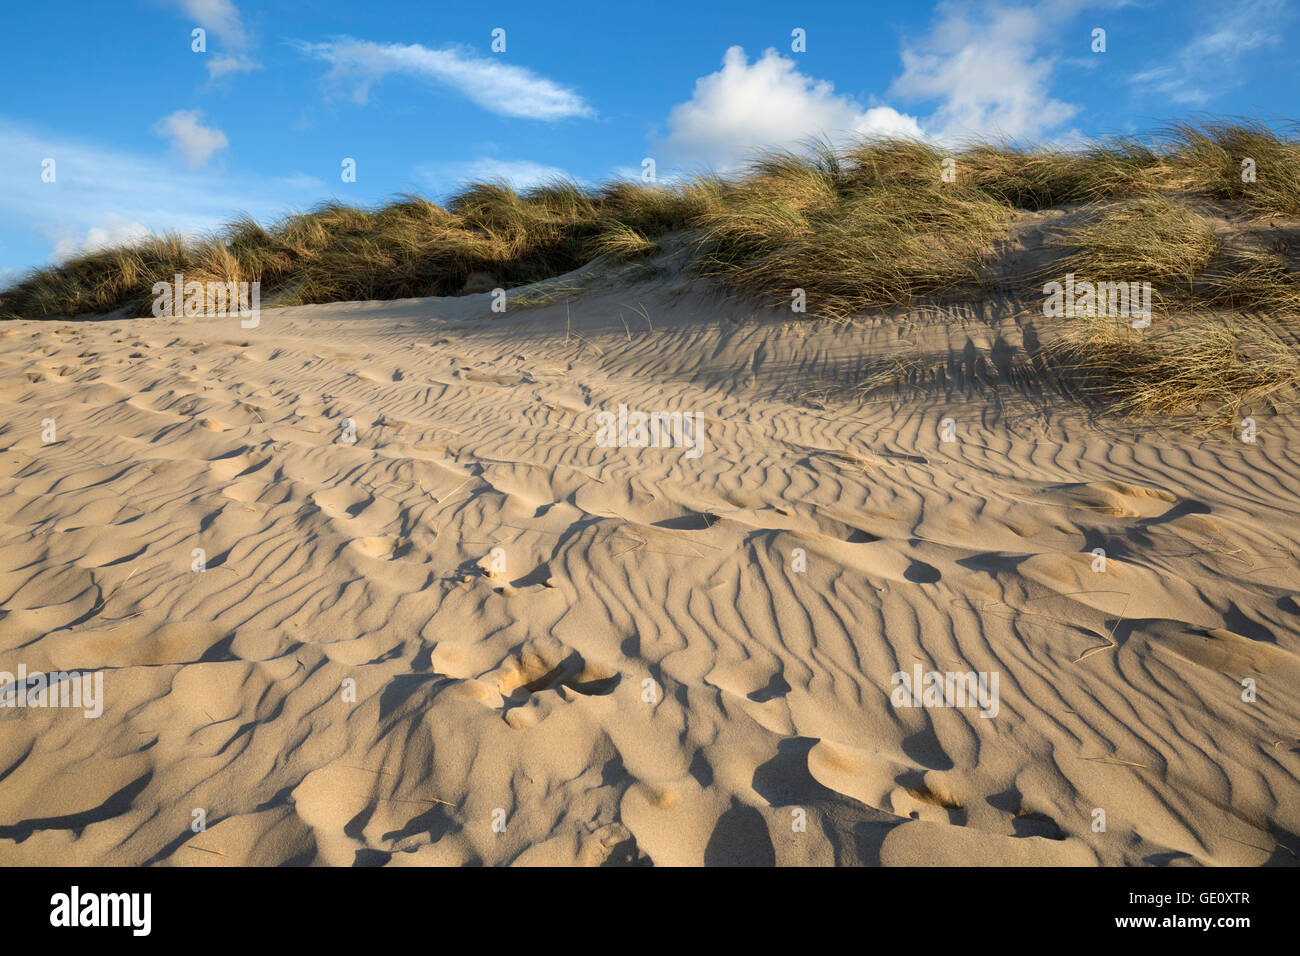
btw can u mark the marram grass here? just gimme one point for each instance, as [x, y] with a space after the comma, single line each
[873, 224]
[880, 223]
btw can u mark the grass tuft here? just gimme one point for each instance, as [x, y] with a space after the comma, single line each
[875, 226]
[1210, 369]
[1152, 239]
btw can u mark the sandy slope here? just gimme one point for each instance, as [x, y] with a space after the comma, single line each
[526, 691]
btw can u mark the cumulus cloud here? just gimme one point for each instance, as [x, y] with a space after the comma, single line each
[115, 231]
[979, 71]
[494, 85]
[768, 103]
[188, 136]
[986, 69]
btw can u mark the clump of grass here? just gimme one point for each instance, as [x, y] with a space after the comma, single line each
[877, 162]
[655, 209]
[1242, 161]
[847, 231]
[1252, 279]
[1176, 249]
[1208, 158]
[1042, 179]
[1210, 369]
[545, 294]
[1152, 239]
[895, 370]
[623, 242]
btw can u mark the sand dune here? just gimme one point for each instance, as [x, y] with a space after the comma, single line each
[670, 659]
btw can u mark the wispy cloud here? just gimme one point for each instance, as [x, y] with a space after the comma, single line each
[745, 106]
[188, 136]
[114, 231]
[224, 64]
[222, 19]
[503, 88]
[1208, 65]
[519, 173]
[100, 193]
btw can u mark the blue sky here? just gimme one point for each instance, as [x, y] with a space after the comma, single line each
[147, 134]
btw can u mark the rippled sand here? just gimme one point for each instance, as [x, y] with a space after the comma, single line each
[642, 673]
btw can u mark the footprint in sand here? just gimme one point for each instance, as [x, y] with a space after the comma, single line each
[1115, 498]
[387, 548]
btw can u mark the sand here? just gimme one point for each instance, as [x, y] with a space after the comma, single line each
[671, 659]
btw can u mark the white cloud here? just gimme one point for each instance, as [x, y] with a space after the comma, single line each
[986, 70]
[115, 231]
[494, 85]
[196, 142]
[221, 18]
[223, 64]
[10, 275]
[301, 181]
[519, 173]
[1211, 58]
[106, 189]
[769, 103]
[981, 71]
